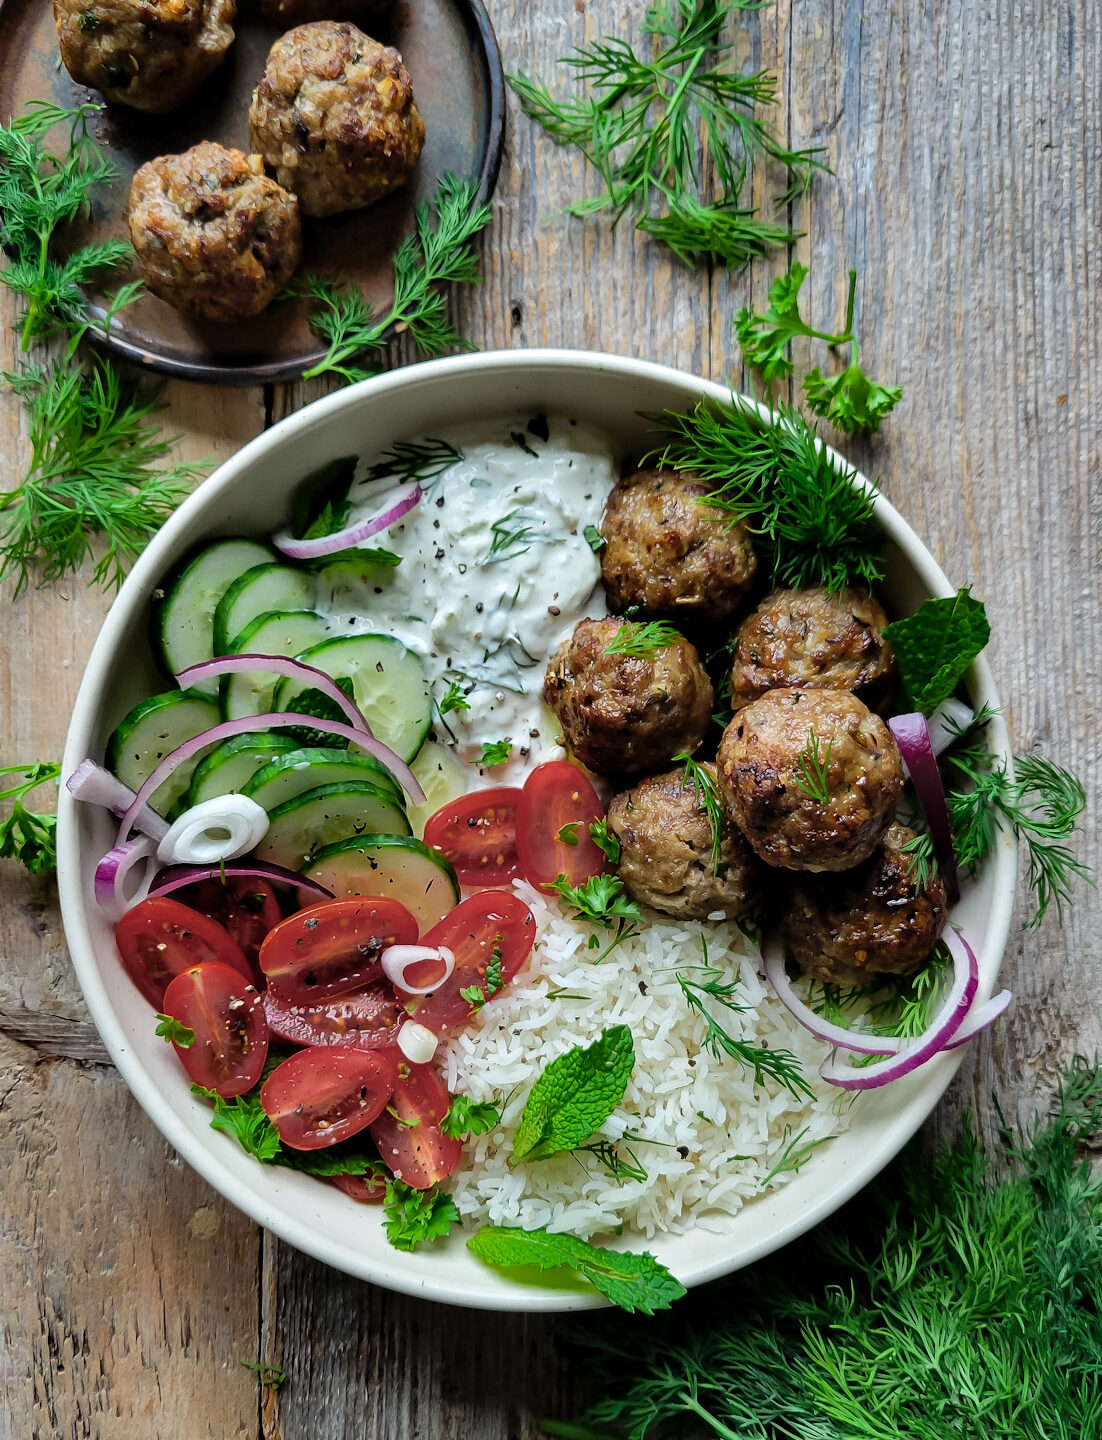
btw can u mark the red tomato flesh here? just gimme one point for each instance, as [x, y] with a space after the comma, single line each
[319, 1097]
[407, 1134]
[555, 795]
[477, 833]
[365, 1020]
[361, 1187]
[231, 1034]
[332, 948]
[245, 907]
[159, 938]
[491, 922]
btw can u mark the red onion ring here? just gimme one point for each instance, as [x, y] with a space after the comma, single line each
[286, 543]
[177, 876]
[863, 1043]
[396, 958]
[94, 785]
[943, 1028]
[277, 665]
[275, 720]
[912, 735]
[981, 1018]
[115, 869]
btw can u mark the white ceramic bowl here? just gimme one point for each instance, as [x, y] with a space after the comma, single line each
[249, 495]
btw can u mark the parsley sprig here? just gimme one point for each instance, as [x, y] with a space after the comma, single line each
[603, 901]
[26, 835]
[439, 253]
[417, 1217]
[469, 1117]
[649, 125]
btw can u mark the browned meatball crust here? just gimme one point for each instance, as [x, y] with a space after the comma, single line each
[148, 54]
[764, 765]
[871, 921]
[214, 236]
[334, 117]
[666, 854]
[669, 554]
[621, 714]
[810, 639]
[287, 13]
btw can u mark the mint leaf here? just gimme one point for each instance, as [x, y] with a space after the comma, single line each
[576, 1093]
[935, 646]
[171, 1030]
[414, 1217]
[634, 1282]
[469, 1117]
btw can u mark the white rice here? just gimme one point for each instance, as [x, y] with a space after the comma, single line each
[721, 1136]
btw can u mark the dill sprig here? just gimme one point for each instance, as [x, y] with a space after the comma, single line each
[439, 253]
[814, 766]
[779, 1065]
[707, 797]
[813, 519]
[649, 125]
[420, 460]
[93, 475]
[640, 640]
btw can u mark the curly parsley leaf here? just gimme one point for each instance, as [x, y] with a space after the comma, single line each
[244, 1119]
[574, 1096]
[605, 840]
[568, 834]
[173, 1032]
[764, 339]
[935, 646]
[850, 401]
[417, 1217]
[495, 752]
[469, 1117]
[602, 900]
[633, 1282]
[26, 835]
[453, 698]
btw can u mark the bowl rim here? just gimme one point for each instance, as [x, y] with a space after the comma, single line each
[158, 558]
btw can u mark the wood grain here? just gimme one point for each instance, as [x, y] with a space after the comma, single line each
[967, 148]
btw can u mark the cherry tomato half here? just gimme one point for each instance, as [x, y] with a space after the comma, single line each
[231, 1034]
[319, 1097]
[361, 1187]
[407, 1134]
[365, 1020]
[493, 922]
[477, 833]
[245, 907]
[159, 938]
[555, 795]
[332, 948]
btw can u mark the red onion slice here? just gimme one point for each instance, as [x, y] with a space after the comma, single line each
[277, 665]
[837, 1035]
[115, 892]
[176, 877]
[981, 1018]
[944, 1027]
[94, 785]
[362, 530]
[395, 960]
[912, 735]
[280, 720]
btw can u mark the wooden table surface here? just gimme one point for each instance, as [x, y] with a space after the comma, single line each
[966, 140]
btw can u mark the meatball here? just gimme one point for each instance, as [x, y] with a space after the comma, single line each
[214, 236]
[621, 714]
[810, 777]
[809, 639]
[666, 851]
[873, 920]
[286, 13]
[334, 117]
[666, 553]
[149, 54]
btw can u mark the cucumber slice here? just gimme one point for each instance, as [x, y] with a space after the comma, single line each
[303, 826]
[279, 632]
[388, 681]
[443, 777]
[305, 769]
[232, 762]
[152, 730]
[396, 866]
[183, 625]
[352, 582]
[261, 590]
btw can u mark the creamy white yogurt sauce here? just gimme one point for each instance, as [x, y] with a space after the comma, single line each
[496, 570]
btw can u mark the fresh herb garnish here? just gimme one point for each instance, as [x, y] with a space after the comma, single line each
[813, 521]
[594, 539]
[601, 900]
[568, 834]
[244, 1119]
[495, 752]
[641, 640]
[605, 840]
[574, 1096]
[707, 798]
[634, 1282]
[514, 535]
[848, 400]
[814, 768]
[416, 1217]
[270, 1376]
[469, 1117]
[26, 835]
[454, 698]
[174, 1032]
[649, 124]
[519, 441]
[475, 995]
[935, 646]
[616, 1158]
[439, 253]
[420, 460]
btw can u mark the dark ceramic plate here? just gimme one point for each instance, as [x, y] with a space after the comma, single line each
[451, 52]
